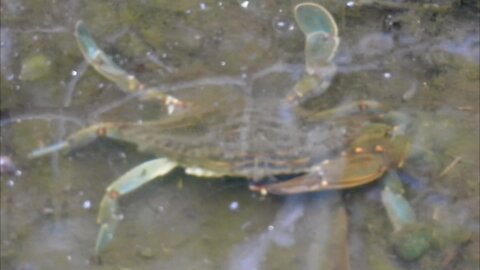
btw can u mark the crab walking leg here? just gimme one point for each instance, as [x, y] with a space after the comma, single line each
[407, 231]
[48, 149]
[102, 63]
[108, 215]
[80, 138]
[398, 209]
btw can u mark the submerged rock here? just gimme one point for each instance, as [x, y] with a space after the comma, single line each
[35, 67]
[412, 242]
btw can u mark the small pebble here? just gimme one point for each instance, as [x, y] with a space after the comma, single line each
[147, 253]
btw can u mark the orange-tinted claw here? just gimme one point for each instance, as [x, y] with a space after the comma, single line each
[344, 172]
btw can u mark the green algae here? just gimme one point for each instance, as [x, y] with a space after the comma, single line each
[35, 67]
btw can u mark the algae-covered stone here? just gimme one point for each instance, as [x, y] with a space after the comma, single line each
[35, 67]
[412, 242]
[378, 259]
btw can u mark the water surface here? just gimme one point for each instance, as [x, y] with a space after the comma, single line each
[420, 60]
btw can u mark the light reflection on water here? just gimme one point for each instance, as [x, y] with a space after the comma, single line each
[48, 211]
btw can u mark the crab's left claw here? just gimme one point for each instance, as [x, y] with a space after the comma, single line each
[339, 173]
[321, 43]
[321, 33]
[375, 149]
[312, 18]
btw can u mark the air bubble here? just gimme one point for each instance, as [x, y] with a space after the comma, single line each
[283, 24]
[244, 4]
[234, 206]
[86, 204]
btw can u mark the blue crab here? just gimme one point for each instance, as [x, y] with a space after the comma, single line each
[279, 146]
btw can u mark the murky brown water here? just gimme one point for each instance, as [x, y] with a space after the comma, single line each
[419, 60]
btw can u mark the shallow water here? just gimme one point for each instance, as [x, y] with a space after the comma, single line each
[423, 61]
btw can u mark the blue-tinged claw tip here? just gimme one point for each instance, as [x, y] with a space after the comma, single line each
[85, 40]
[313, 17]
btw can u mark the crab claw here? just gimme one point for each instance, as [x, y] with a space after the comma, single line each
[321, 43]
[313, 18]
[101, 62]
[104, 65]
[321, 33]
[343, 172]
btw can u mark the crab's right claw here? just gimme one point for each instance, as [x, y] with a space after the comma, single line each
[101, 62]
[321, 33]
[104, 65]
